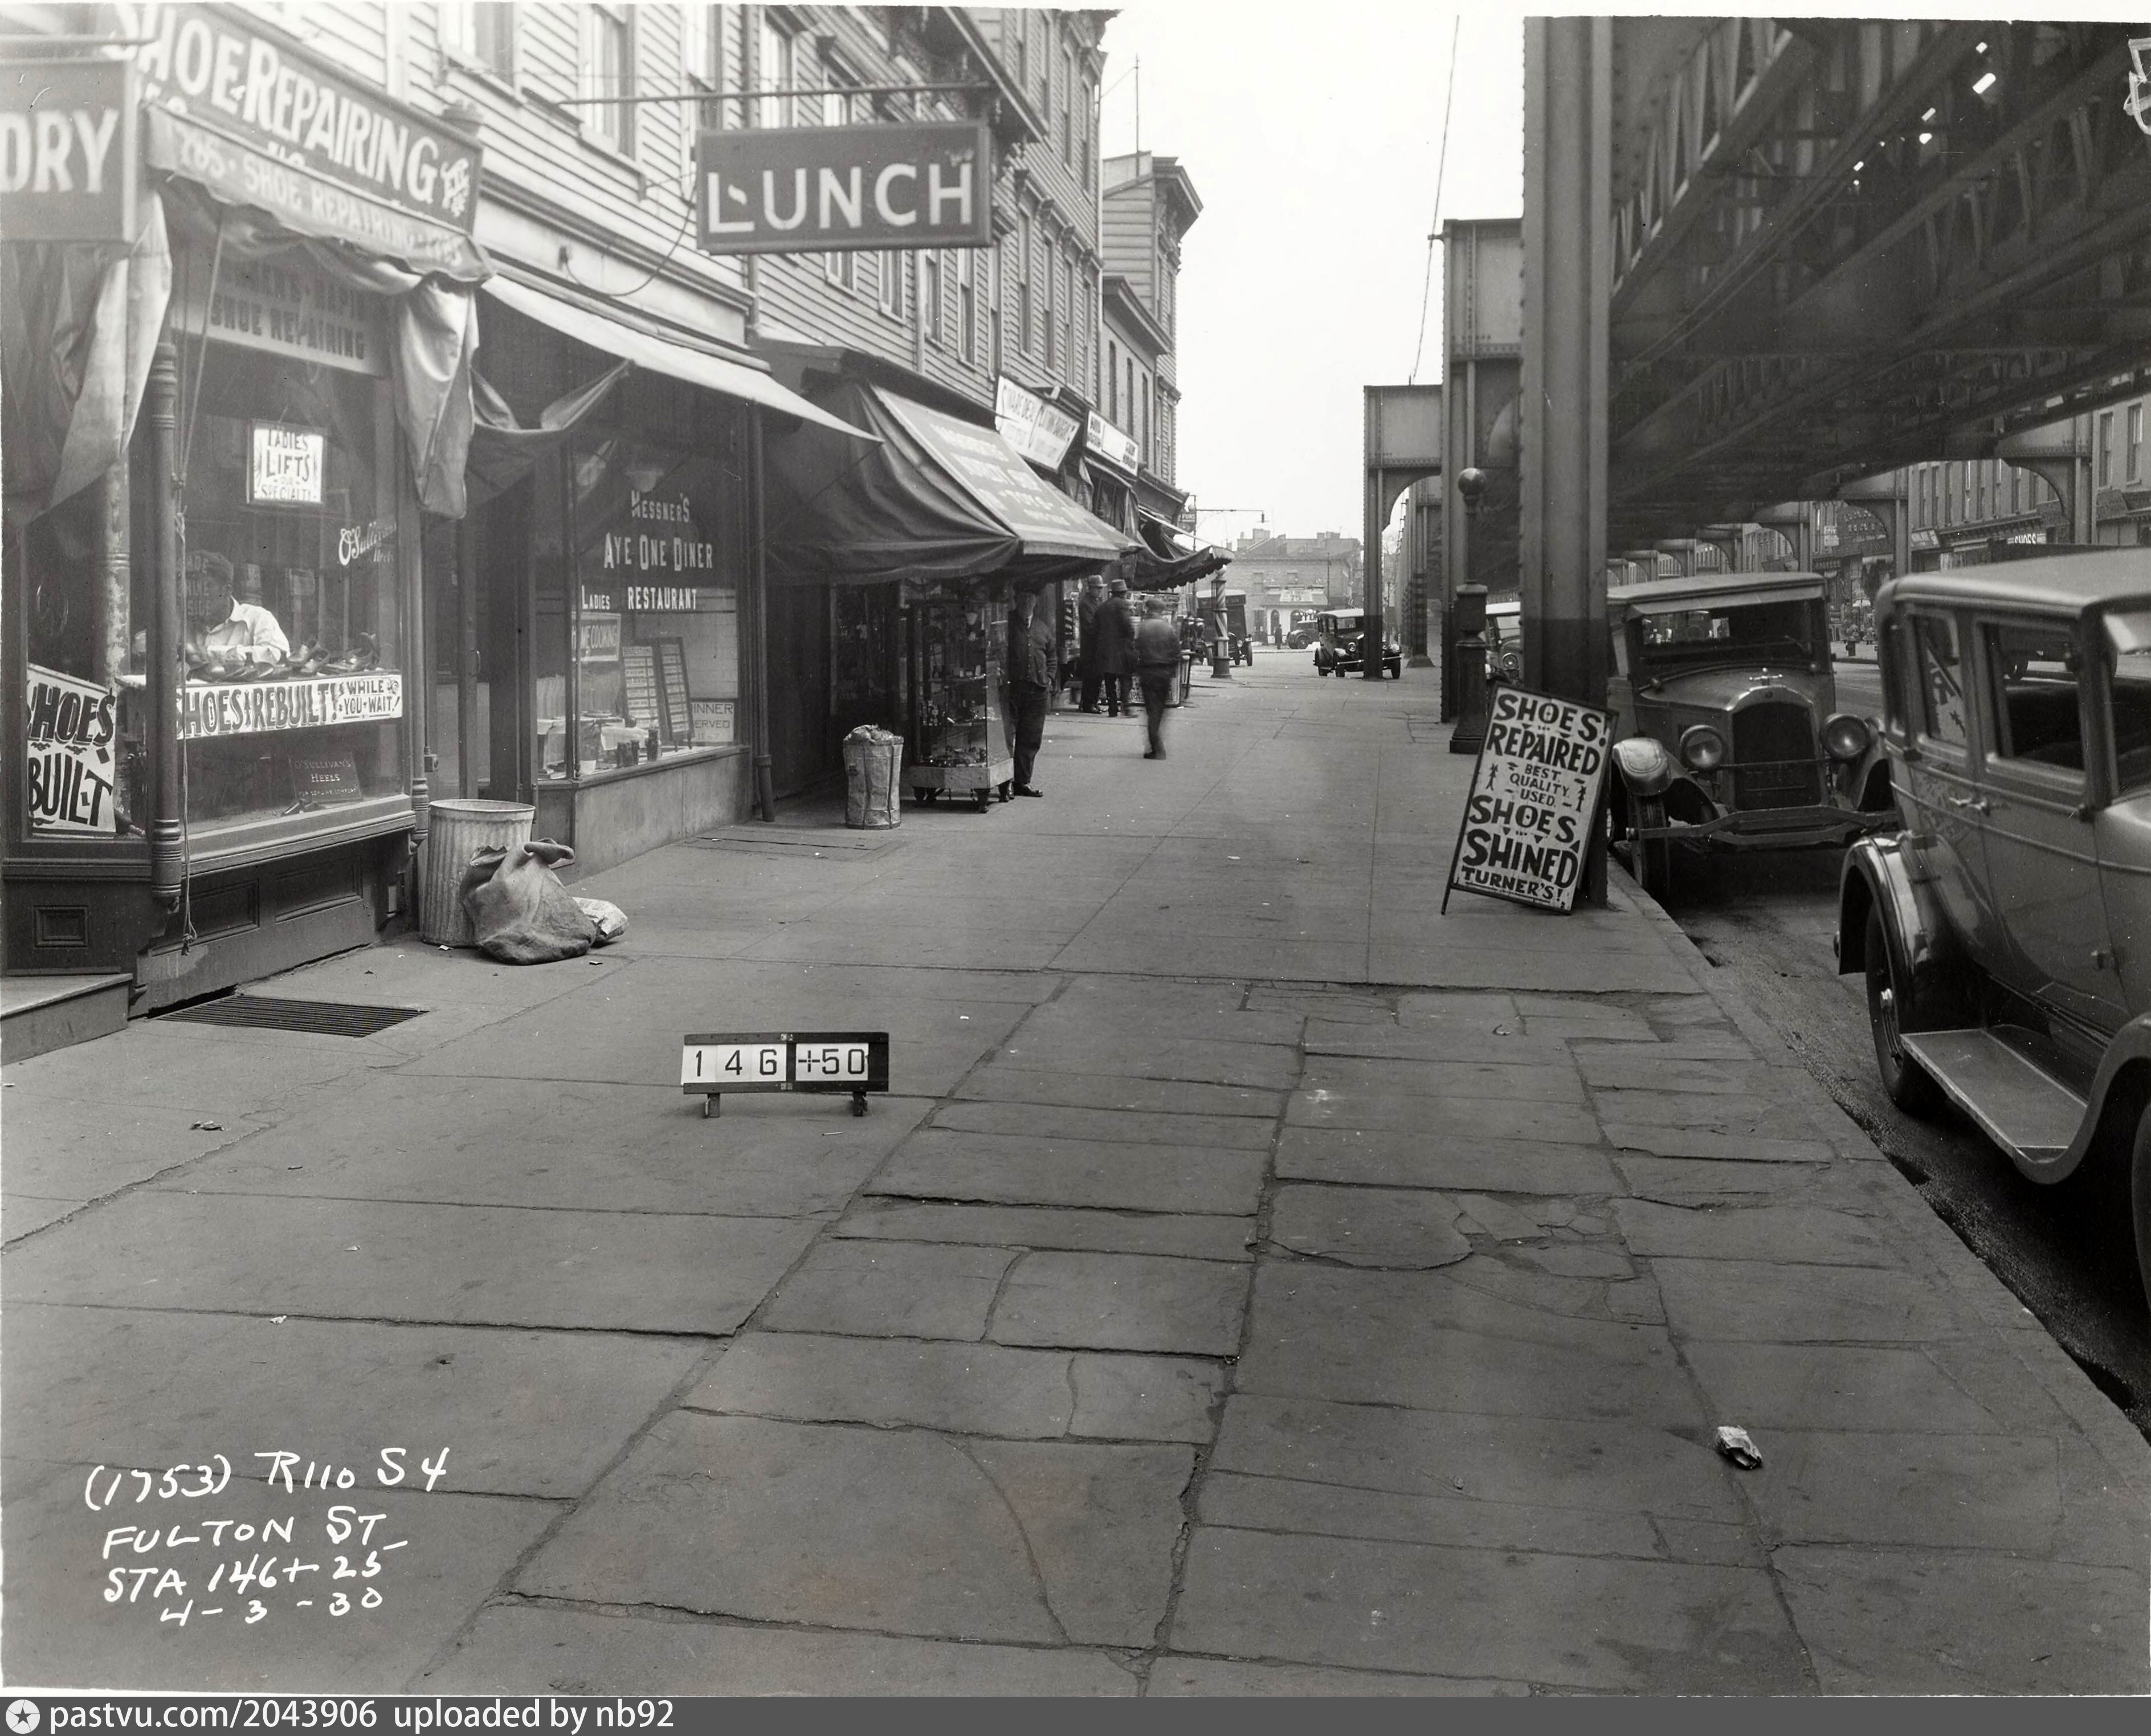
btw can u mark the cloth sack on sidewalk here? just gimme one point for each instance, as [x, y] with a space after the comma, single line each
[520, 911]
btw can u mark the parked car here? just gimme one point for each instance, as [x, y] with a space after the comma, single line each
[1340, 634]
[1997, 930]
[1300, 634]
[1729, 735]
[1505, 640]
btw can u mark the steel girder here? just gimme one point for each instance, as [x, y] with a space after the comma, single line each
[1841, 245]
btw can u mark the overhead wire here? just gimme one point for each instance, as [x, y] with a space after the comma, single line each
[1434, 228]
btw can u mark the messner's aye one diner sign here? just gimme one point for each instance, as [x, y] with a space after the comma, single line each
[833, 190]
[1535, 795]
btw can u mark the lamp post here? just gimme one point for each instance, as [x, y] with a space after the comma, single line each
[1468, 618]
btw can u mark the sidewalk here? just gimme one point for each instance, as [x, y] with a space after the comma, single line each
[1261, 1284]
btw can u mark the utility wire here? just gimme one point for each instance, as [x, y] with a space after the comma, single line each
[1434, 229]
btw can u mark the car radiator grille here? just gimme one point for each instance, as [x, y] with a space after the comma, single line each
[1773, 758]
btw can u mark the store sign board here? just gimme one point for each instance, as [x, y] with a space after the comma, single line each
[823, 189]
[253, 708]
[304, 129]
[1534, 800]
[597, 638]
[70, 744]
[290, 312]
[1032, 426]
[647, 554]
[68, 151]
[287, 466]
[1114, 445]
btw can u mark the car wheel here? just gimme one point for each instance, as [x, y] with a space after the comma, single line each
[1654, 867]
[1891, 1012]
[2140, 1200]
[1321, 670]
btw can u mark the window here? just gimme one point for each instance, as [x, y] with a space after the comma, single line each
[775, 66]
[838, 108]
[892, 285]
[2128, 651]
[482, 34]
[1943, 716]
[703, 32]
[1023, 284]
[1066, 300]
[1084, 150]
[930, 295]
[2135, 441]
[2032, 670]
[967, 306]
[2106, 449]
[1068, 107]
[609, 71]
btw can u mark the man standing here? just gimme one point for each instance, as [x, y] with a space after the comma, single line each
[1030, 674]
[1116, 646]
[1157, 665]
[1086, 641]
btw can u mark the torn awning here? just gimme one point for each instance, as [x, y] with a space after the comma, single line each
[1170, 558]
[661, 356]
[940, 498]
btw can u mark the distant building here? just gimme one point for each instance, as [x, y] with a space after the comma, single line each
[1149, 204]
[1282, 574]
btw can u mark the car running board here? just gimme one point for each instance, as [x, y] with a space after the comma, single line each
[2018, 1104]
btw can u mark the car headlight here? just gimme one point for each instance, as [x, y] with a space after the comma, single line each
[1847, 736]
[1646, 765]
[1702, 748]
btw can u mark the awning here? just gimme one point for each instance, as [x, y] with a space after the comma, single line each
[941, 498]
[661, 356]
[1170, 558]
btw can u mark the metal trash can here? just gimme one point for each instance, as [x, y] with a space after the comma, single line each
[455, 830]
[1187, 682]
[873, 778]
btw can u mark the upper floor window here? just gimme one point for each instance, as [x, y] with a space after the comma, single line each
[2135, 441]
[1066, 299]
[892, 285]
[1068, 107]
[609, 71]
[703, 30]
[482, 33]
[1023, 286]
[776, 61]
[2106, 449]
[967, 305]
[1086, 153]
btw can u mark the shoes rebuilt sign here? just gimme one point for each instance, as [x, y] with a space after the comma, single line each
[835, 190]
[1535, 795]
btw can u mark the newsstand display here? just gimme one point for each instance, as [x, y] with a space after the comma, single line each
[959, 746]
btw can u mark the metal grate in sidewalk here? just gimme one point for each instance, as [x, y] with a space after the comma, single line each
[314, 1018]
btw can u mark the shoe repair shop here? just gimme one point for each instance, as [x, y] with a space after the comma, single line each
[213, 733]
[946, 520]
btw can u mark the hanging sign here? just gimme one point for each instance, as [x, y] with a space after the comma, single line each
[1534, 800]
[1032, 426]
[285, 465]
[287, 311]
[713, 1063]
[69, 743]
[68, 151]
[249, 708]
[836, 189]
[1114, 445]
[648, 554]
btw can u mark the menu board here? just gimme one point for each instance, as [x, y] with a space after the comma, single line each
[639, 667]
[672, 668]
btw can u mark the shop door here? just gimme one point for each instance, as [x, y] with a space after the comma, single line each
[862, 639]
[800, 750]
[502, 557]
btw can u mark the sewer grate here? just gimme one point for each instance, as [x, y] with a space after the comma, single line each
[315, 1017]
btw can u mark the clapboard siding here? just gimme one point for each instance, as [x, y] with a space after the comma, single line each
[353, 36]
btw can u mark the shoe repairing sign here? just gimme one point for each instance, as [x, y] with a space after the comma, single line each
[1535, 794]
[715, 1063]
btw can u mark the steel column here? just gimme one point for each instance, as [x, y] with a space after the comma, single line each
[167, 631]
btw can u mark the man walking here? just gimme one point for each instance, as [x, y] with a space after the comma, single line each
[1030, 674]
[1116, 646]
[1086, 641]
[1157, 665]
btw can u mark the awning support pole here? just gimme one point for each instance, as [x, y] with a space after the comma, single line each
[166, 844]
[765, 775]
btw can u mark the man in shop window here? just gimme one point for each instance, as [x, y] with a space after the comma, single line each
[221, 627]
[1031, 672]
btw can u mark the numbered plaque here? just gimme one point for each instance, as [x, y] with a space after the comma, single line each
[736, 1064]
[720, 1063]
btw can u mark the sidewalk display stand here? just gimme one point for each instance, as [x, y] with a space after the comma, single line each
[960, 742]
[873, 779]
[458, 828]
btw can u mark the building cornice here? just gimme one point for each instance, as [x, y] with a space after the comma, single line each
[1121, 298]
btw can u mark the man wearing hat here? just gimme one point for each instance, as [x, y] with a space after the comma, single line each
[219, 624]
[1116, 647]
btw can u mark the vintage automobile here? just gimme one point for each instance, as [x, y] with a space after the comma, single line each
[1996, 930]
[1505, 640]
[1729, 735]
[1337, 647]
[1300, 634]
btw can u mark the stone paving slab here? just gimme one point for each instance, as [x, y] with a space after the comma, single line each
[21, 1214]
[81, 1149]
[1923, 1489]
[1810, 1234]
[996, 1083]
[524, 1648]
[891, 1289]
[1100, 1047]
[358, 1259]
[1354, 1075]
[527, 1413]
[1177, 1677]
[1379, 1039]
[1048, 1122]
[1757, 1301]
[1195, 1237]
[1383, 1226]
[1396, 1159]
[1459, 1118]
[1033, 1542]
[1571, 1621]
[945, 1165]
[1122, 1301]
[1723, 1147]
[988, 1389]
[1860, 1389]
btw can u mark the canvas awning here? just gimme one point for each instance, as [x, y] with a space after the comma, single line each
[659, 354]
[1170, 558]
[940, 498]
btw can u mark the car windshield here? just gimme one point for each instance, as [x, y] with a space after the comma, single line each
[1788, 632]
[2128, 641]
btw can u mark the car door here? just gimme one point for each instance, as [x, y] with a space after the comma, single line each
[2041, 853]
[1940, 783]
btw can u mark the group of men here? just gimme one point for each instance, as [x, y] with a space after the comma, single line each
[1113, 645]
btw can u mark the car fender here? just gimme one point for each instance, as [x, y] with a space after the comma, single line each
[2119, 1092]
[1878, 874]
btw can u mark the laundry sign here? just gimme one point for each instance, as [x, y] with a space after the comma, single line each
[1534, 800]
[71, 742]
[68, 151]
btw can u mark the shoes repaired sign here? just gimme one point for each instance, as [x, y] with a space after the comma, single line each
[833, 190]
[1534, 798]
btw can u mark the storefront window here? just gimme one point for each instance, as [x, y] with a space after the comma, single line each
[294, 699]
[656, 594]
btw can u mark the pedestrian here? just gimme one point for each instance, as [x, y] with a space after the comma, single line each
[1086, 641]
[1030, 673]
[1157, 666]
[1116, 647]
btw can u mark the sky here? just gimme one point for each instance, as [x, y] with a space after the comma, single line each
[1312, 131]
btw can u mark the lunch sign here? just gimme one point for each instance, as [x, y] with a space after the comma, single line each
[1535, 794]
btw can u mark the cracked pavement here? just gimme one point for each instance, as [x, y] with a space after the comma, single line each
[1257, 1283]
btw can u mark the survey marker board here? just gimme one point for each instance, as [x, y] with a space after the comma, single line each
[715, 1064]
